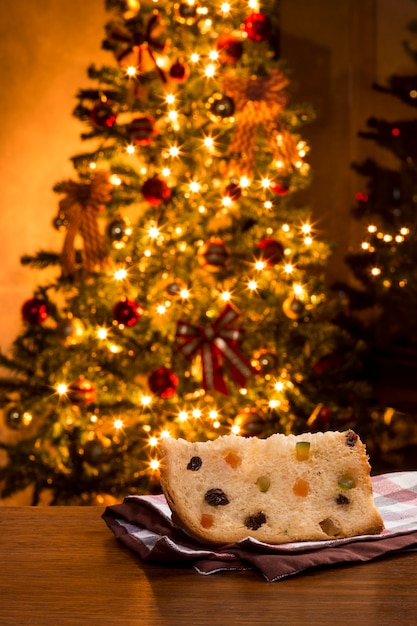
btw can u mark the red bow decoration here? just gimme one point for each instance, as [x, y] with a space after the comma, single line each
[216, 342]
[138, 42]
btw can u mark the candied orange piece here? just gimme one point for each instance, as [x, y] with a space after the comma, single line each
[233, 459]
[301, 487]
[206, 520]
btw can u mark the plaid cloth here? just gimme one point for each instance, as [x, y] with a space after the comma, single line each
[144, 524]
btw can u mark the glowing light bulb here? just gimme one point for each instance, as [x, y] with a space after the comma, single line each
[265, 183]
[173, 116]
[405, 231]
[118, 424]
[130, 149]
[27, 418]
[161, 309]
[208, 142]
[120, 274]
[115, 180]
[213, 55]
[61, 389]
[146, 400]
[252, 285]
[102, 333]
[306, 228]
[195, 57]
[273, 404]
[288, 268]
[365, 245]
[226, 296]
[227, 201]
[194, 186]
[170, 98]
[196, 413]
[260, 265]
[235, 429]
[279, 386]
[375, 271]
[308, 241]
[154, 464]
[213, 414]
[174, 151]
[286, 228]
[184, 294]
[268, 204]
[166, 172]
[210, 70]
[372, 228]
[153, 232]
[153, 441]
[298, 290]
[183, 416]
[244, 182]
[131, 71]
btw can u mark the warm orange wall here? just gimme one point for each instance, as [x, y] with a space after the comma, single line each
[336, 48]
[45, 48]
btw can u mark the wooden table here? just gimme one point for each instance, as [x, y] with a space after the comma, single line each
[62, 566]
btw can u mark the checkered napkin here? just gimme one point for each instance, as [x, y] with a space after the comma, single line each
[144, 524]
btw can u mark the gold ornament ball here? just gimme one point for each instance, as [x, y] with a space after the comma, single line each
[70, 331]
[293, 308]
[250, 421]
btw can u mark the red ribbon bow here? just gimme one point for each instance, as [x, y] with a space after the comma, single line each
[140, 41]
[216, 342]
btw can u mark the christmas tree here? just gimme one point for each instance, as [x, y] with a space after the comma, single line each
[384, 266]
[189, 295]
[384, 294]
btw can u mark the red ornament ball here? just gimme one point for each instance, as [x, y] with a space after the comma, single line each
[163, 382]
[213, 255]
[155, 190]
[102, 114]
[327, 362]
[35, 311]
[280, 187]
[270, 251]
[233, 191]
[230, 49]
[127, 312]
[257, 27]
[250, 422]
[179, 71]
[142, 131]
[81, 392]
